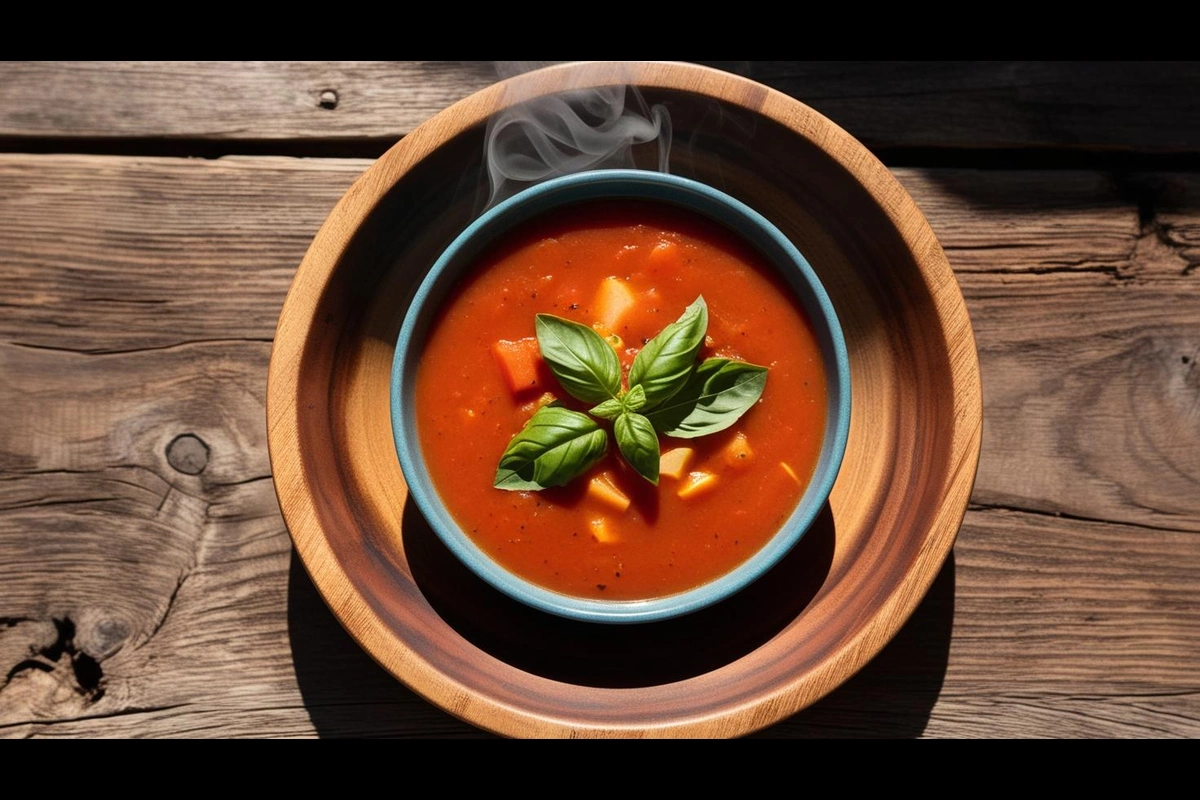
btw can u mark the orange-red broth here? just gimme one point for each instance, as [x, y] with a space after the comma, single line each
[571, 539]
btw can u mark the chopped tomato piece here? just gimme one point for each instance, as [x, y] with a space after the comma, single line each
[666, 256]
[519, 362]
[738, 453]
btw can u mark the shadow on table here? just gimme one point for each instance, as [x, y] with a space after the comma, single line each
[348, 695]
[892, 696]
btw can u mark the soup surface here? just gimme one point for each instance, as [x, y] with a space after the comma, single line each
[627, 269]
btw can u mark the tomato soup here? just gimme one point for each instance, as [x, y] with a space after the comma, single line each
[627, 269]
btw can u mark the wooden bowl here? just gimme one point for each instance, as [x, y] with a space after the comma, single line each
[733, 668]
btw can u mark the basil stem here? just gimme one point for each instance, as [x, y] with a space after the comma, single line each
[585, 364]
[555, 446]
[664, 365]
[716, 396]
[638, 442]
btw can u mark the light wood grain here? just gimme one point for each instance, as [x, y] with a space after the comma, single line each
[1087, 311]
[243, 100]
[244, 647]
[1111, 106]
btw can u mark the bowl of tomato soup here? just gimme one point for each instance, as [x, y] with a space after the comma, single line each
[620, 396]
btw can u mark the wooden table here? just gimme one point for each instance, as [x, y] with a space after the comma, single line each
[152, 218]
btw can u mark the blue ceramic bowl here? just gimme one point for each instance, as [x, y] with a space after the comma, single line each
[609, 184]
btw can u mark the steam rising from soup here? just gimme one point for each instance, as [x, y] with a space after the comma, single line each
[561, 134]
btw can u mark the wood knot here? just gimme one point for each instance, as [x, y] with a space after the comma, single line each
[188, 454]
[328, 99]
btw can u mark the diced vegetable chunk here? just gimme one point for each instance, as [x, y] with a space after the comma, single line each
[674, 463]
[613, 299]
[518, 362]
[737, 453]
[666, 255]
[602, 531]
[603, 489]
[697, 483]
[544, 399]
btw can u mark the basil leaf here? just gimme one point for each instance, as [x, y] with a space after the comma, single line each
[715, 397]
[638, 442]
[635, 399]
[609, 409]
[584, 363]
[667, 361]
[556, 445]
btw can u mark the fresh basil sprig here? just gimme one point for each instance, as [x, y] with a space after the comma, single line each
[585, 364]
[555, 446]
[638, 442]
[668, 394]
[716, 395]
[665, 363]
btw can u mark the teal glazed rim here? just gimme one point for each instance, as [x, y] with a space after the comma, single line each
[621, 184]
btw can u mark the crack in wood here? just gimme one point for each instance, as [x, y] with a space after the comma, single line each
[146, 349]
[183, 576]
[124, 712]
[189, 569]
[87, 676]
[45, 502]
[1000, 507]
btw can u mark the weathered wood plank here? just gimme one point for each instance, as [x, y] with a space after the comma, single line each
[104, 254]
[230, 100]
[1086, 309]
[1132, 106]
[1052, 637]
[148, 583]
[1151, 107]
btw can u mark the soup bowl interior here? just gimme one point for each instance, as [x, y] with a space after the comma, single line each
[772, 649]
[620, 185]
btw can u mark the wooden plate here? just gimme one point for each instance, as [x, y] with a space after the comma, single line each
[774, 649]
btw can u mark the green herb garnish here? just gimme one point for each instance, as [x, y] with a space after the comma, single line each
[669, 394]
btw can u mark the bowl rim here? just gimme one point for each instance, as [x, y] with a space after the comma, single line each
[697, 197]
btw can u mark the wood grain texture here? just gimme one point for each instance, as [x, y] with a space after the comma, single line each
[176, 229]
[245, 100]
[202, 624]
[1111, 106]
[1131, 106]
[1088, 323]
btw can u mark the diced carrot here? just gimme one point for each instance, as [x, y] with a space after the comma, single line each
[613, 299]
[602, 531]
[737, 453]
[674, 463]
[697, 483]
[518, 362]
[604, 490]
[666, 256]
